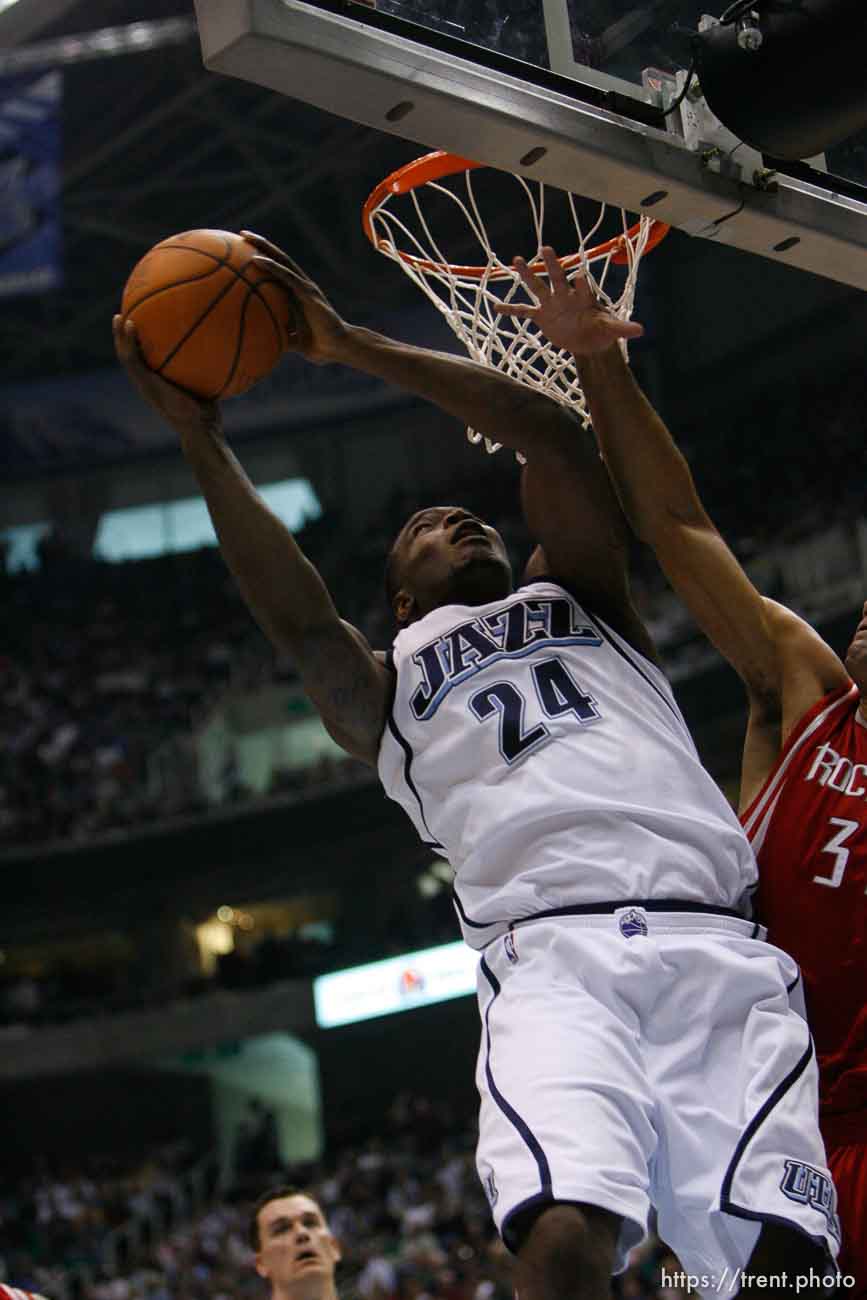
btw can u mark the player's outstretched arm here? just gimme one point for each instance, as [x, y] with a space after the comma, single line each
[477, 395]
[571, 509]
[783, 662]
[282, 589]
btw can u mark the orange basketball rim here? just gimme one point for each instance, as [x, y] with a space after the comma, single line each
[437, 166]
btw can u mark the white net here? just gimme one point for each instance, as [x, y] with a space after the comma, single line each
[469, 297]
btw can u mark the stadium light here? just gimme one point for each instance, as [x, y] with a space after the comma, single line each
[106, 42]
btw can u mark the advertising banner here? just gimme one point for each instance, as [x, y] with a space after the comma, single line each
[380, 988]
[30, 234]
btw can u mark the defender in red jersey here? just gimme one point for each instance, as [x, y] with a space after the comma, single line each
[808, 828]
[804, 776]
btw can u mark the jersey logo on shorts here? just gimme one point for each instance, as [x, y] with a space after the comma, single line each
[632, 922]
[510, 947]
[808, 1186]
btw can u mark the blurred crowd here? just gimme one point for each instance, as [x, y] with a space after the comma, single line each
[406, 1206]
[102, 666]
[796, 466]
[106, 667]
[59, 1219]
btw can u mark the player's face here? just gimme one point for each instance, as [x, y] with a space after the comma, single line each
[856, 655]
[297, 1253]
[448, 555]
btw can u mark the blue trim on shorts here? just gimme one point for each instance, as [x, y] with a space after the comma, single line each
[831, 1265]
[607, 909]
[510, 1113]
[647, 904]
[542, 1199]
[752, 1128]
[739, 1212]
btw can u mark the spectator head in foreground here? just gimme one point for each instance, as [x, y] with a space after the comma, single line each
[295, 1251]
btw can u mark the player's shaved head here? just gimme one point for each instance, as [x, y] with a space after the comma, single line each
[443, 555]
[393, 561]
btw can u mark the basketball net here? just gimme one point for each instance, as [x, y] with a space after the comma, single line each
[469, 297]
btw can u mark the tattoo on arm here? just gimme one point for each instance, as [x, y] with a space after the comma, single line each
[348, 685]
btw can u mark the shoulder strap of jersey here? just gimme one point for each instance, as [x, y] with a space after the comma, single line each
[545, 578]
[803, 729]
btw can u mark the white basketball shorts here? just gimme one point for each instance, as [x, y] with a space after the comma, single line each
[639, 1058]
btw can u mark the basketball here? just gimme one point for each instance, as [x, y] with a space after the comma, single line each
[207, 319]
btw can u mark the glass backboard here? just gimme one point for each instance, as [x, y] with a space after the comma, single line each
[618, 39]
[572, 92]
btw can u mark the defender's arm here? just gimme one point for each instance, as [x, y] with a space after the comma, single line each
[785, 665]
[282, 589]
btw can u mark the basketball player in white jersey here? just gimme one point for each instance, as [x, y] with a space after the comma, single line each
[638, 1045]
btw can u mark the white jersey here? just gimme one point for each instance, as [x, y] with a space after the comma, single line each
[548, 761]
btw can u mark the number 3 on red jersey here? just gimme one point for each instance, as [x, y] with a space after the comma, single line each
[836, 847]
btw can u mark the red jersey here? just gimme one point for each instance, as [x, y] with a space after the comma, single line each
[808, 828]
[13, 1293]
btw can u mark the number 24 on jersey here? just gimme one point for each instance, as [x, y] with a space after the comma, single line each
[557, 692]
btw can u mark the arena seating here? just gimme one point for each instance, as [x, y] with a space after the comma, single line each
[405, 1203]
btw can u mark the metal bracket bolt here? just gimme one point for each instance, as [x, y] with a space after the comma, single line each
[750, 36]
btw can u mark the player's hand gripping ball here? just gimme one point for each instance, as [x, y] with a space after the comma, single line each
[206, 318]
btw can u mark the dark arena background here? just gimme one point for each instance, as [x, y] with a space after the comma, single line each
[184, 851]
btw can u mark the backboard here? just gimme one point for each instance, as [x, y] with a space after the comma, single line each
[571, 92]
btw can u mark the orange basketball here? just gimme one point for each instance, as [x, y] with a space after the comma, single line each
[206, 318]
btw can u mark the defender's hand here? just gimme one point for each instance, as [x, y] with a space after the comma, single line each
[319, 333]
[182, 410]
[568, 313]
